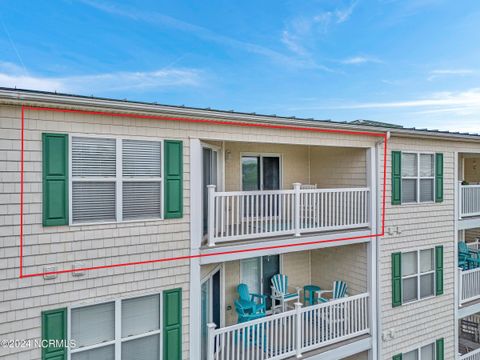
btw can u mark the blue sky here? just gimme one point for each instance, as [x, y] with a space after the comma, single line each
[412, 62]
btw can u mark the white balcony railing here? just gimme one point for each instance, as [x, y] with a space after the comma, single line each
[473, 355]
[469, 285]
[469, 202]
[239, 215]
[291, 333]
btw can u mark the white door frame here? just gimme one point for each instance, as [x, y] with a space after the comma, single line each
[208, 277]
[220, 172]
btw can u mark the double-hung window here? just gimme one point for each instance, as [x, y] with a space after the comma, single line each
[115, 179]
[127, 329]
[418, 177]
[426, 352]
[418, 275]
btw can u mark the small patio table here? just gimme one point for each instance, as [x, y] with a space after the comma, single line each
[309, 294]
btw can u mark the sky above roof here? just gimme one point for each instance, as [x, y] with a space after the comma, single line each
[411, 62]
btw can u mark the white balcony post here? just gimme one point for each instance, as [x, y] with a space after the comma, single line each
[460, 288]
[298, 329]
[211, 341]
[460, 196]
[296, 188]
[211, 215]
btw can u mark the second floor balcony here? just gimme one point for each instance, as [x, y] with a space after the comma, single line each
[240, 215]
[263, 191]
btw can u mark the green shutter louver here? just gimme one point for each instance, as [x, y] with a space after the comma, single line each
[439, 349]
[396, 177]
[172, 324]
[173, 179]
[438, 177]
[438, 270]
[54, 327]
[396, 279]
[397, 357]
[55, 179]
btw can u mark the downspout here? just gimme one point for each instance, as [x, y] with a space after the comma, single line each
[378, 230]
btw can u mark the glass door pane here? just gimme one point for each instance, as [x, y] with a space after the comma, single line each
[271, 172]
[250, 173]
[251, 274]
[205, 291]
[271, 266]
[209, 177]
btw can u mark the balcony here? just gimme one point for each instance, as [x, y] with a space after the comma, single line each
[469, 285]
[303, 325]
[469, 337]
[241, 215]
[273, 192]
[291, 333]
[469, 200]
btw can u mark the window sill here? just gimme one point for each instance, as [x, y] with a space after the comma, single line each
[418, 203]
[126, 222]
[419, 300]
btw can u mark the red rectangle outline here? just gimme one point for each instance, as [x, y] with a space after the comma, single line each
[191, 120]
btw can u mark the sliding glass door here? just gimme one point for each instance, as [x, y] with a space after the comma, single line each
[257, 274]
[209, 177]
[260, 172]
[211, 307]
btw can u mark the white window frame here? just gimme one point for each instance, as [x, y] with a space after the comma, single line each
[418, 274]
[419, 353]
[118, 340]
[418, 177]
[118, 179]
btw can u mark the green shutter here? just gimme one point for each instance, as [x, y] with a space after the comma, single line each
[439, 349]
[438, 177]
[54, 327]
[397, 357]
[55, 179]
[173, 179]
[172, 324]
[396, 177]
[396, 279]
[439, 270]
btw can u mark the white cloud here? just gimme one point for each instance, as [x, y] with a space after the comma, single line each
[355, 60]
[448, 110]
[12, 76]
[450, 72]
[466, 100]
[292, 42]
[303, 30]
[162, 20]
[344, 14]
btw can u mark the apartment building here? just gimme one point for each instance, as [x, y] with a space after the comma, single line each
[140, 221]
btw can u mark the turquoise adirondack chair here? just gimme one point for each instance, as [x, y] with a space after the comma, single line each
[339, 291]
[250, 303]
[245, 313]
[467, 258]
[281, 292]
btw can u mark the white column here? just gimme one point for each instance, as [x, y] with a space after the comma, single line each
[211, 215]
[296, 188]
[196, 232]
[372, 175]
[298, 329]
[456, 271]
[211, 341]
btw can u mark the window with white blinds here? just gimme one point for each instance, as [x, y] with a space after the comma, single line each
[418, 177]
[136, 336]
[142, 177]
[115, 179]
